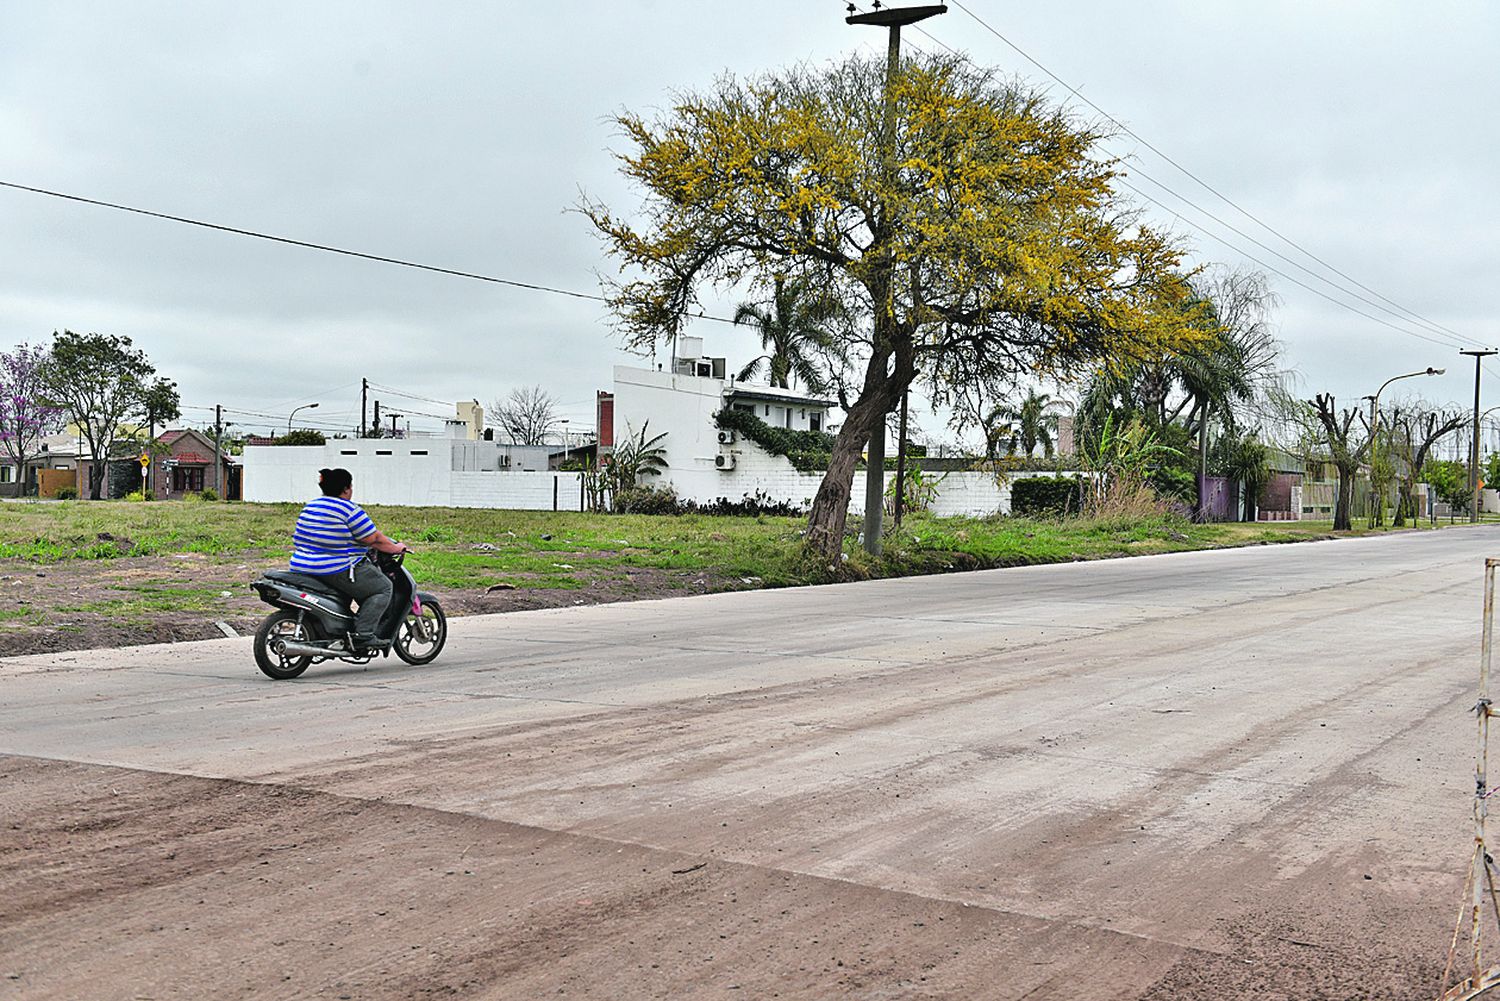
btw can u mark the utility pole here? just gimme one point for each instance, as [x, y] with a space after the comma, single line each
[1479, 357]
[900, 465]
[393, 415]
[892, 19]
[375, 428]
[364, 404]
[218, 451]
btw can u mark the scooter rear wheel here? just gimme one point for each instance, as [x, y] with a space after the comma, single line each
[283, 625]
[421, 642]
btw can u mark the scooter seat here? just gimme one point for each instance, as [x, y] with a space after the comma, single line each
[305, 582]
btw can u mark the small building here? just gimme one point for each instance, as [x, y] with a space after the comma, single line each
[54, 465]
[183, 462]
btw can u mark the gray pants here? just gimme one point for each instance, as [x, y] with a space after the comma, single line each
[366, 585]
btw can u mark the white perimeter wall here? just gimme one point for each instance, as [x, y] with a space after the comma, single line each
[388, 471]
[963, 492]
[397, 472]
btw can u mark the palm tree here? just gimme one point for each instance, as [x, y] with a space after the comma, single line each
[1025, 426]
[795, 326]
[636, 456]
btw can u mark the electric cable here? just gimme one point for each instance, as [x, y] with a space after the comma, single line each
[1453, 338]
[1202, 183]
[379, 258]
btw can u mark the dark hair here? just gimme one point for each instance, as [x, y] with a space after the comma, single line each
[334, 481]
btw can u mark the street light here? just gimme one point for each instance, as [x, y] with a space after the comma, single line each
[564, 423]
[1376, 501]
[305, 406]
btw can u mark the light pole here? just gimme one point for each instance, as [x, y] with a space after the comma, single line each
[893, 19]
[1377, 502]
[564, 423]
[1479, 356]
[305, 406]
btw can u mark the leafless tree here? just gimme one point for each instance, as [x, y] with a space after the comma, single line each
[1346, 447]
[528, 415]
[1414, 429]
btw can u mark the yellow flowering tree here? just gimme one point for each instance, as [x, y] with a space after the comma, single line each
[974, 230]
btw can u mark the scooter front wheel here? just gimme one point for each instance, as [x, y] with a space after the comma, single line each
[420, 640]
[282, 626]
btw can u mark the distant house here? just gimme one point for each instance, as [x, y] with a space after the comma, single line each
[1281, 499]
[54, 466]
[183, 463]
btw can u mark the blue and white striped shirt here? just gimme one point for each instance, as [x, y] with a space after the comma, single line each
[324, 541]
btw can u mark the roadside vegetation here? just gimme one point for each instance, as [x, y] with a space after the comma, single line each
[463, 549]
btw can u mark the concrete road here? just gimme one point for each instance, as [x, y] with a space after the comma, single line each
[1243, 773]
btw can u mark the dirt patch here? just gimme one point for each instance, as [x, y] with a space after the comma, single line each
[122, 884]
[93, 604]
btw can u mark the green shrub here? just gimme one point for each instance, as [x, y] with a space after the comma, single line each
[647, 500]
[67, 493]
[1175, 483]
[1044, 495]
[435, 533]
[135, 496]
[208, 494]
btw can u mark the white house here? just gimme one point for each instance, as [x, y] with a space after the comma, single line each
[705, 463]
[680, 401]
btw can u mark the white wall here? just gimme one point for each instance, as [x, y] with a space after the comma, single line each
[517, 491]
[404, 476]
[682, 406]
[465, 474]
[961, 492]
[386, 470]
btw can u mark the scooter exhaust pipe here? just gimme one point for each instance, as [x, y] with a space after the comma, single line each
[292, 648]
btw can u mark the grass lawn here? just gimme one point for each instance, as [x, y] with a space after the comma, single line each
[474, 548]
[80, 574]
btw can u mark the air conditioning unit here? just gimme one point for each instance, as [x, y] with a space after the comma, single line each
[724, 461]
[726, 437]
[504, 462]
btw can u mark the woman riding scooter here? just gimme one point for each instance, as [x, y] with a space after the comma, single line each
[332, 542]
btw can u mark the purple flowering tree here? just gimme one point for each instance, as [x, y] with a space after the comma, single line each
[25, 416]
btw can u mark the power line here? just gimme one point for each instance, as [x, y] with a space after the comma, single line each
[1454, 339]
[1202, 183]
[1299, 282]
[412, 396]
[379, 258]
[1451, 338]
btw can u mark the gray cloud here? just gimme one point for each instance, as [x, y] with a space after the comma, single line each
[460, 137]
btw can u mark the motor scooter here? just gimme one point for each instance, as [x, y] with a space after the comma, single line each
[313, 622]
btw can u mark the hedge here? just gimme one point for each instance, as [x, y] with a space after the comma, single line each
[1044, 495]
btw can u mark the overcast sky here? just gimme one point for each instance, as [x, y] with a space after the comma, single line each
[460, 135]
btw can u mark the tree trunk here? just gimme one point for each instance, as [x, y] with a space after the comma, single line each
[1201, 514]
[883, 386]
[1345, 500]
[1403, 503]
[20, 458]
[830, 508]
